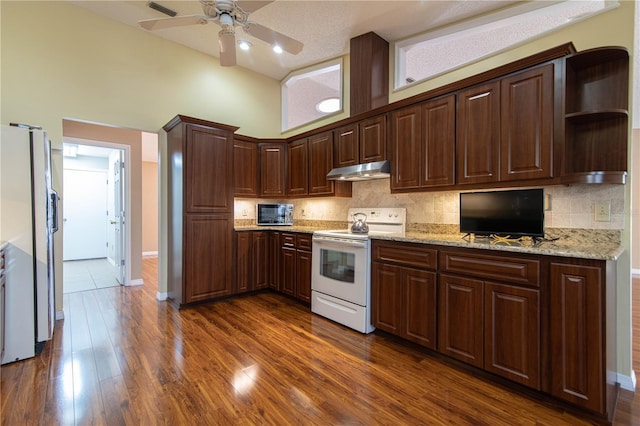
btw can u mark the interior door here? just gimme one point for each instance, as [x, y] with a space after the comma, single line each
[119, 229]
[85, 212]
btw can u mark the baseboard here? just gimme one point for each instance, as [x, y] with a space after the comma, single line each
[59, 315]
[635, 273]
[149, 254]
[134, 282]
[162, 296]
[628, 382]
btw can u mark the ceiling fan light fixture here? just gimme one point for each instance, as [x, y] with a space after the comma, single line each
[277, 48]
[244, 44]
[328, 105]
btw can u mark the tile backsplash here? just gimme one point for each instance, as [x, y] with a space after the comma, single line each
[569, 206]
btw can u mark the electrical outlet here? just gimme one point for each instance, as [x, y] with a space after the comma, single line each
[603, 211]
[302, 213]
[547, 202]
[244, 212]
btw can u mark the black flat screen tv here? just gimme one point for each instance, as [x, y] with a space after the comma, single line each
[515, 213]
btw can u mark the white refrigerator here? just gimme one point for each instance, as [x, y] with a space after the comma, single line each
[28, 219]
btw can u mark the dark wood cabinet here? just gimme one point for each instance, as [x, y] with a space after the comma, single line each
[527, 123]
[320, 163]
[272, 170]
[403, 296]
[295, 263]
[253, 258]
[577, 335]
[460, 319]
[245, 168]
[200, 213]
[244, 262]
[260, 258]
[361, 142]
[273, 266]
[478, 134]
[495, 326]
[423, 145]
[512, 333]
[298, 169]
[596, 121]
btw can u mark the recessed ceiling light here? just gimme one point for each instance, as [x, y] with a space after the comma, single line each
[277, 49]
[244, 44]
[328, 105]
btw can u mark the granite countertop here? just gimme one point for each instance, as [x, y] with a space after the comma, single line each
[578, 243]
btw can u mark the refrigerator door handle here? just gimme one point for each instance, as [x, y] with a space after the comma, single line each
[54, 207]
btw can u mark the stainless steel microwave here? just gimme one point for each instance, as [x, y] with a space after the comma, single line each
[274, 214]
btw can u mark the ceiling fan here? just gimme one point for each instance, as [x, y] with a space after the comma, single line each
[229, 14]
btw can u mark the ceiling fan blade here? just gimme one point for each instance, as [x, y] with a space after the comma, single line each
[288, 44]
[227, 41]
[162, 23]
[252, 6]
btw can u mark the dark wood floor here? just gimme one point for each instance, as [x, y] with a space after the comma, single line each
[121, 357]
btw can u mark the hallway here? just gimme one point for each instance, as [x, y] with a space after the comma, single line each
[83, 275]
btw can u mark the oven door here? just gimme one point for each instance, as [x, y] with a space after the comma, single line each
[340, 268]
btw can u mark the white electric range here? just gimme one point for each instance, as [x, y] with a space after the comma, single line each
[341, 268]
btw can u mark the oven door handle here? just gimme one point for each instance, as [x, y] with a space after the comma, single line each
[342, 242]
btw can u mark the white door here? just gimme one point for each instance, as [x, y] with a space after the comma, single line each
[120, 256]
[85, 214]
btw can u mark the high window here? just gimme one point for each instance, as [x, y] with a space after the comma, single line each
[311, 93]
[428, 55]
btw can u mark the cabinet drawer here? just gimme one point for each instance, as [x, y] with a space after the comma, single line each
[503, 268]
[304, 242]
[288, 240]
[413, 255]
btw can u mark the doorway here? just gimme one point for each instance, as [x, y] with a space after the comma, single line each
[94, 249]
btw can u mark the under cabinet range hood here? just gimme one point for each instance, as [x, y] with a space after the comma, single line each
[366, 171]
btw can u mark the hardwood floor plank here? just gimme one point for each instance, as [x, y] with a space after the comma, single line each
[122, 357]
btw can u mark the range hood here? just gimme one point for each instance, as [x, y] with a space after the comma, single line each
[367, 171]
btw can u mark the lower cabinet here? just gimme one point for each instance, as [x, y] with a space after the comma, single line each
[295, 263]
[403, 288]
[577, 337]
[253, 261]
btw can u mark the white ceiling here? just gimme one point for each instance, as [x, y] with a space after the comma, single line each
[325, 27]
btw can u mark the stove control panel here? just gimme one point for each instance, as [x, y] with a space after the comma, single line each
[381, 215]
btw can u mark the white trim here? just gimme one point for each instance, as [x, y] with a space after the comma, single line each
[628, 382]
[635, 272]
[150, 253]
[59, 315]
[162, 296]
[131, 283]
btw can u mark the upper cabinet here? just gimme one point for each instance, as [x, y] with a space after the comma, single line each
[245, 168]
[596, 116]
[361, 142]
[423, 145]
[309, 161]
[272, 170]
[505, 128]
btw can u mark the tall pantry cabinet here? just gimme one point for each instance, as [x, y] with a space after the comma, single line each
[200, 191]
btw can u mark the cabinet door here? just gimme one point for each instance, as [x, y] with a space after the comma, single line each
[208, 170]
[460, 319]
[512, 333]
[288, 270]
[347, 146]
[373, 139]
[386, 298]
[420, 307]
[243, 262]
[439, 133]
[297, 177]
[303, 275]
[245, 169]
[478, 134]
[207, 257]
[576, 319]
[260, 258]
[272, 169]
[527, 125]
[320, 163]
[406, 141]
[274, 260]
